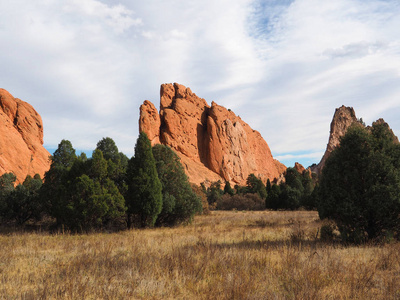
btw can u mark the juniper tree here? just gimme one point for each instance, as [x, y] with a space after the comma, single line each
[360, 184]
[144, 197]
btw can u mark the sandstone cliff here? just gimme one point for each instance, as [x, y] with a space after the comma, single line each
[21, 139]
[343, 118]
[212, 142]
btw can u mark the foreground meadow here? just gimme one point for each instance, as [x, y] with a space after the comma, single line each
[225, 255]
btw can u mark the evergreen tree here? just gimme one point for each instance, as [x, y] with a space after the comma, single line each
[228, 189]
[7, 182]
[360, 184]
[22, 203]
[180, 203]
[144, 197]
[268, 186]
[214, 193]
[55, 192]
[64, 156]
[273, 197]
[255, 185]
[109, 149]
[117, 162]
[307, 199]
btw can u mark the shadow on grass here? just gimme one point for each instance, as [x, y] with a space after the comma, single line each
[266, 244]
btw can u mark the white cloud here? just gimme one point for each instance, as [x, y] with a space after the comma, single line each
[118, 16]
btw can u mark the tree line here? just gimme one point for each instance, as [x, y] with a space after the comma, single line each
[295, 190]
[359, 188]
[108, 190]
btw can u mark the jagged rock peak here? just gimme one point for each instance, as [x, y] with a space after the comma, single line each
[212, 142]
[343, 118]
[21, 138]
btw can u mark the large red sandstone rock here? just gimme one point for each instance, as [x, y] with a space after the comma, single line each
[343, 118]
[212, 142]
[21, 139]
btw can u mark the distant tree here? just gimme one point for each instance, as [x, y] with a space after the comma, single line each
[307, 199]
[360, 184]
[268, 186]
[240, 190]
[79, 192]
[7, 182]
[55, 192]
[98, 166]
[273, 198]
[228, 189]
[93, 204]
[144, 197]
[214, 193]
[255, 185]
[289, 197]
[109, 149]
[117, 162]
[64, 156]
[202, 194]
[22, 203]
[180, 203]
[293, 179]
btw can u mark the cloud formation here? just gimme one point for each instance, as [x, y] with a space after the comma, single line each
[283, 66]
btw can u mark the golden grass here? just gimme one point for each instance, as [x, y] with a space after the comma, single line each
[226, 255]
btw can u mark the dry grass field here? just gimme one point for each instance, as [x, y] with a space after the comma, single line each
[225, 255]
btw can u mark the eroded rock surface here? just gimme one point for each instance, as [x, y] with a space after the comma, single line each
[21, 139]
[343, 118]
[212, 142]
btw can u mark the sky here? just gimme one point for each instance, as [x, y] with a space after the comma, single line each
[283, 65]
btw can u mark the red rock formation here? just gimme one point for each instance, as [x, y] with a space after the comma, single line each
[299, 167]
[150, 122]
[21, 139]
[212, 142]
[343, 118]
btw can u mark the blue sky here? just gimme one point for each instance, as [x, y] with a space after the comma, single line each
[283, 66]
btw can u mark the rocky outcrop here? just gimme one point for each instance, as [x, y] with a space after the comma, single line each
[149, 122]
[299, 167]
[343, 118]
[212, 142]
[21, 139]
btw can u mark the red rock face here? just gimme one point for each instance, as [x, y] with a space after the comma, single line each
[21, 139]
[150, 122]
[343, 118]
[212, 142]
[299, 167]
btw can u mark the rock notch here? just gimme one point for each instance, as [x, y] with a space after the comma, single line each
[21, 139]
[212, 142]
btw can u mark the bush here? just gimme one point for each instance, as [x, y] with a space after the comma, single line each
[241, 202]
[326, 233]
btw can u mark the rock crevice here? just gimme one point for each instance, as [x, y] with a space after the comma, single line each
[212, 142]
